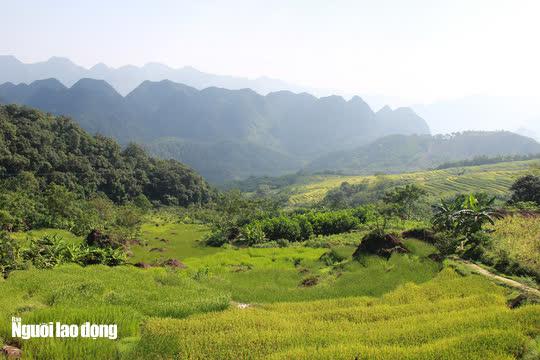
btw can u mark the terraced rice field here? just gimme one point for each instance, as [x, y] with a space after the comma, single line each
[252, 303]
[449, 317]
[495, 179]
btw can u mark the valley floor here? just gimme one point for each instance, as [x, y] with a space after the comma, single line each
[269, 303]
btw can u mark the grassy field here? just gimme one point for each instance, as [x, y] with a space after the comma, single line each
[301, 303]
[123, 295]
[449, 317]
[274, 274]
[495, 179]
[519, 238]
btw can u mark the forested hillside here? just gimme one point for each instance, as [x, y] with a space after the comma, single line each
[283, 127]
[405, 153]
[54, 149]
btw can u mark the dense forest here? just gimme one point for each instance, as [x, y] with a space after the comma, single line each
[55, 150]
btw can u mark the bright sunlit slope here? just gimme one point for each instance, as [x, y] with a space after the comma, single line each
[495, 179]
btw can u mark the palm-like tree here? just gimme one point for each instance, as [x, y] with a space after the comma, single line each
[464, 217]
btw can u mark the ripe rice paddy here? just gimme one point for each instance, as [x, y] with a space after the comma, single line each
[408, 307]
[495, 179]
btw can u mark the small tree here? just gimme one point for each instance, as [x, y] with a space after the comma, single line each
[405, 199]
[462, 220]
[526, 189]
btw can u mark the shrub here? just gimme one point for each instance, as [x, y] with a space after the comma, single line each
[49, 251]
[526, 188]
[282, 227]
[7, 221]
[9, 254]
[328, 223]
[306, 229]
[253, 233]
[216, 238]
[462, 222]
[88, 255]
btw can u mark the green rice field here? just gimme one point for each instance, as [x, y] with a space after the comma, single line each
[268, 303]
[495, 179]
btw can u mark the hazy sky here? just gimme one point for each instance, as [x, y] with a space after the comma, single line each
[416, 49]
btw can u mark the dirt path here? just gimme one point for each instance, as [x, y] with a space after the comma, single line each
[501, 279]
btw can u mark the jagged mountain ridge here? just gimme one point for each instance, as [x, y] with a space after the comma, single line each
[299, 127]
[126, 78]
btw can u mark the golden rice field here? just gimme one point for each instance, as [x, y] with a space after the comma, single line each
[519, 237]
[250, 304]
[495, 179]
[449, 317]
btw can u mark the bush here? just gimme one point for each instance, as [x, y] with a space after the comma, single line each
[88, 255]
[293, 227]
[526, 189]
[49, 251]
[9, 254]
[253, 233]
[281, 227]
[216, 238]
[328, 223]
[306, 228]
[462, 221]
[7, 221]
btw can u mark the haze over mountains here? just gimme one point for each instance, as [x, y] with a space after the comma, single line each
[126, 78]
[234, 132]
[399, 153]
[220, 132]
[517, 114]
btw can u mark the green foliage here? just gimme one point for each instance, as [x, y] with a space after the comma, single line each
[495, 179]
[10, 258]
[254, 234]
[89, 255]
[333, 222]
[461, 221]
[485, 160]
[292, 227]
[233, 212]
[57, 207]
[57, 151]
[406, 200]
[281, 227]
[526, 188]
[50, 251]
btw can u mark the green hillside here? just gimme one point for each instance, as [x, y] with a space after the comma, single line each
[495, 179]
[56, 150]
[398, 153]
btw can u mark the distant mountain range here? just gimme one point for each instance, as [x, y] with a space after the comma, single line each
[126, 78]
[399, 153]
[233, 133]
[224, 134]
[517, 114]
